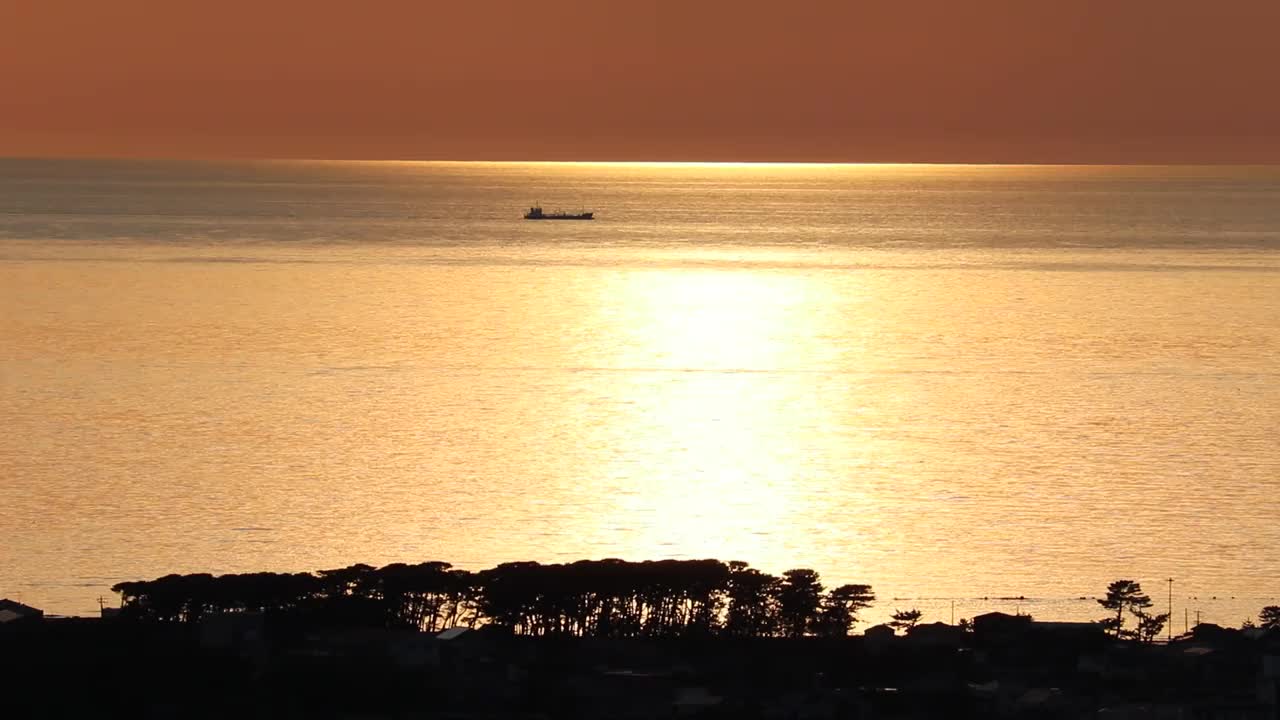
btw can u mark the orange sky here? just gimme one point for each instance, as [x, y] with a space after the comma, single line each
[847, 80]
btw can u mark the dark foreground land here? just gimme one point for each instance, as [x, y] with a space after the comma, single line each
[241, 665]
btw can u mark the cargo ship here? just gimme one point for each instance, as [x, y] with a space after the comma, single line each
[536, 213]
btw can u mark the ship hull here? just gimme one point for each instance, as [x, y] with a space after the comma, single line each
[536, 213]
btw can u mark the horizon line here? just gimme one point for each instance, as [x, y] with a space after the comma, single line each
[636, 163]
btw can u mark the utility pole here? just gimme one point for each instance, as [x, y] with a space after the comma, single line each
[1170, 609]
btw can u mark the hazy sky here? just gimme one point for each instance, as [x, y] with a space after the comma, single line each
[854, 80]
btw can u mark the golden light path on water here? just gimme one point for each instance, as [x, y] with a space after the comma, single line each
[727, 474]
[722, 413]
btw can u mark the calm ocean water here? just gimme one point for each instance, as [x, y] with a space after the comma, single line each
[949, 382]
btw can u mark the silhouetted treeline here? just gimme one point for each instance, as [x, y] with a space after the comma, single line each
[589, 598]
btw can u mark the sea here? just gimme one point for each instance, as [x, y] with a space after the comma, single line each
[972, 387]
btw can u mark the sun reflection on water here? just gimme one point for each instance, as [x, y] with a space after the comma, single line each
[704, 448]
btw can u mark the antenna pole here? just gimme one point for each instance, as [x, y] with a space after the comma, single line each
[1170, 609]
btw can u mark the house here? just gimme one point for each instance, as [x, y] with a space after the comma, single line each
[1216, 636]
[1079, 638]
[12, 612]
[879, 637]
[939, 635]
[452, 633]
[463, 649]
[999, 625]
[879, 632]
